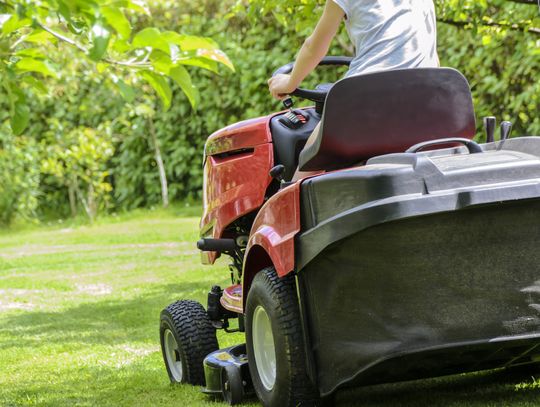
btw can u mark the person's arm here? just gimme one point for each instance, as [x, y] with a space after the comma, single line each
[313, 50]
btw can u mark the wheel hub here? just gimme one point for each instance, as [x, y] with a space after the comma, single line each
[172, 353]
[263, 347]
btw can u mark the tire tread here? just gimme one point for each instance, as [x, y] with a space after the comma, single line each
[196, 334]
[301, 390]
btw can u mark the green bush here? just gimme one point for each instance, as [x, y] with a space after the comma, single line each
[501, 62]
[19, 178]
[502, 67]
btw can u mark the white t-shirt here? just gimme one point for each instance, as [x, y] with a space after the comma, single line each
[391, 34]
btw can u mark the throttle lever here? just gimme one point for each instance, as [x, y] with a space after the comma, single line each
[506, 130]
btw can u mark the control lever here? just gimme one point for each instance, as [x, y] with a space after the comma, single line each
[277, 172]
[506, 130]
[490, 123]
[288, 103]
[294, 119]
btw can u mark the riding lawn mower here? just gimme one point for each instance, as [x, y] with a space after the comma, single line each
[407, 251]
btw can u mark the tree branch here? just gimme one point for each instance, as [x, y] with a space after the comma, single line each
[131, 64]
[63, 38]
[513, 27]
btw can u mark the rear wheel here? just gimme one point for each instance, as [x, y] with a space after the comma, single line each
[187, 337]
[275, 342]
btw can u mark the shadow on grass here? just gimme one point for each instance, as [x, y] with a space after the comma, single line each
[144, 382]
[490, 388]
[108, 321]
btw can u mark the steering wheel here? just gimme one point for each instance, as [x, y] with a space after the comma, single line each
[315, 95]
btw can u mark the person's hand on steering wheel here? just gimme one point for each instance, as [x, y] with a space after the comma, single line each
[313, 50]
[282, 83]
[281, 86]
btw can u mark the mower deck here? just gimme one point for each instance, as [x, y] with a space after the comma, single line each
[426, 296]
[227, 374]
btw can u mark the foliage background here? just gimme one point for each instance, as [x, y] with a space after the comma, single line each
[81, 122]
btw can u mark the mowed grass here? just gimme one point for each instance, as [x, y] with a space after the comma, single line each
[79, 309]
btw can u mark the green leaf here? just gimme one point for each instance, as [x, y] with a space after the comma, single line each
[151, 37]
[281, 18]
[89, 7]
[120, 45]
[216, 55]
[189, 42]
[160, 85]
[181, 76]
[12, 24]
[117, 20]
[40, 36]
[76, 27]
[31, 52]
[64, 11]
[101, 67]
[126, 91]
[35, 84]
[19, 121]
[201, 47]
[201, 63]
[139, 6]
[100, 41]
[4, 18]
[161, 62]
[35, 65]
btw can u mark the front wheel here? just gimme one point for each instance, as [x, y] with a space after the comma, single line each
[275, 343]
[187, 337]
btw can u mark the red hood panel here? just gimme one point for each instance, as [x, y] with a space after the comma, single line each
[245, 134]
[236, 184]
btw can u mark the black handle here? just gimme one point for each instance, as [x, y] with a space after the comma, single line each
[490, 123]
[314, 95]
[216, 245]
[473, 147]
[277, 172]
[330, 60]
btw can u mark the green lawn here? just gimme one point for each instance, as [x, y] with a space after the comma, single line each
[79, 311]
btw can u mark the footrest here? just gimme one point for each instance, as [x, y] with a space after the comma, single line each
[232, 299]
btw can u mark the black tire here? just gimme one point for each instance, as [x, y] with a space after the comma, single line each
[277, 297]
[193, 338]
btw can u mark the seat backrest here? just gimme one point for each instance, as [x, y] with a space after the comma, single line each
[388, 112]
